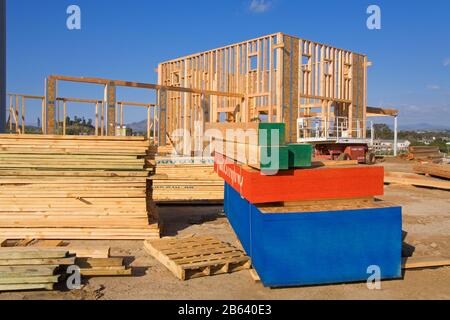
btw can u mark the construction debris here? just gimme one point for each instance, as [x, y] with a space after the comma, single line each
[58, 187]
[197, 256]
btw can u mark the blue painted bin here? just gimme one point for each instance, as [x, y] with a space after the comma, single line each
[313, 248]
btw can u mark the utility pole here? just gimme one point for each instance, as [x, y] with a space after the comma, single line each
[2, 66]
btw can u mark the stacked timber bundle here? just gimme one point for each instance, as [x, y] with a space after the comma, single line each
[424, 153]
[60, 187]
[435, 170]
[305, 223]
[181, 180]
[259, 145]
[31, 268]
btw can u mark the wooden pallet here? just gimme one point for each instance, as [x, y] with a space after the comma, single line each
[197, 256]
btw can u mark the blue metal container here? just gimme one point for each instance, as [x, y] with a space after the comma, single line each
[312, 248]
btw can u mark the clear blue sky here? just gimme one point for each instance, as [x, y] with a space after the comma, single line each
[126, 40]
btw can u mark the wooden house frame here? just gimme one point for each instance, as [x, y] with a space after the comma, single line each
[283, 78]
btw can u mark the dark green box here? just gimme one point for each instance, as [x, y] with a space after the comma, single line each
[300, 155]
[266, 131]
[281, 162]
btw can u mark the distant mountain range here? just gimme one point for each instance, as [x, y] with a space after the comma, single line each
[140, 126]
[424, 126]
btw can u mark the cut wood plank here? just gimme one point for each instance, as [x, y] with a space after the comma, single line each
[105, 272]
[89, 252]
[28, 280]
[255, 276]
[26, 287]
[415, 180]
[330, 163]
[425, 262]
[31, 253]
[23, 271]
[40, 262]
[93, 263]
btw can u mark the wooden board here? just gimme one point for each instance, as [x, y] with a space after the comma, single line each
[11, 280]
[425, 262]
[21, 271]
[197, 256]
[25, 287]
[37, 262]
[412, 179]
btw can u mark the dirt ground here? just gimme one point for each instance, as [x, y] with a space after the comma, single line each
[426, 221]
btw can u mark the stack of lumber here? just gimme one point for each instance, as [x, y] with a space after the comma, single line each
[197, 256]
[31, 268]
[259, 145]
[424, 153]
[60, 187]
[435, 170]
[181, 180]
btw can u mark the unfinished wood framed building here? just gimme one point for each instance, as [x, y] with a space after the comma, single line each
[318, 90]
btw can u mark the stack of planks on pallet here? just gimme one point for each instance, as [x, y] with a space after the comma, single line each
[78, 187]
[25, 268]
[424, 153]
[185, 180]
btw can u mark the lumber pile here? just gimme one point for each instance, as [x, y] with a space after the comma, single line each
[424, 153]
[179, 179]
[435, 170]
[197, 256]
[31, 268]
[412, 179]
[60, 187]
